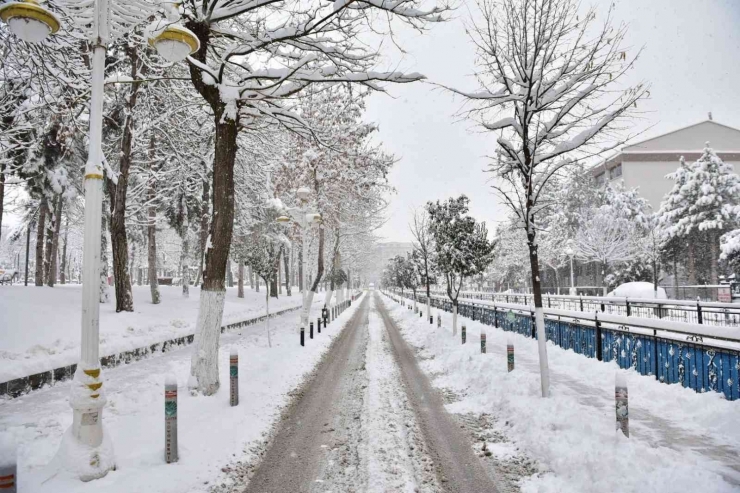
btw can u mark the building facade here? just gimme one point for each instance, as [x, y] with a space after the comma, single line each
[645, 164]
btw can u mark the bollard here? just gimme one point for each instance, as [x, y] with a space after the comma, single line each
[431, 319]
[463, 334]
[234, 376]
[510, 354]
[621, 405]
[439, 320]
[8, 468]
[420, 314]
[483, 343]
[303, 336]
[170, 419]
[318, 324]
[310, 331]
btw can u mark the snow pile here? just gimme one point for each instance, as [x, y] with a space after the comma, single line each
[40, 327]
[213, 437]
[638, 289]
[679, 440]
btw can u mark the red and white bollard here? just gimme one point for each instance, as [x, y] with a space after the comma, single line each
[234, 376]
[8, 467]
[170, 419]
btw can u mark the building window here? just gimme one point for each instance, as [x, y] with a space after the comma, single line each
[600, 178]
[615, 172]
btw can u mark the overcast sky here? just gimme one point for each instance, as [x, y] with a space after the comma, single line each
[691, 59]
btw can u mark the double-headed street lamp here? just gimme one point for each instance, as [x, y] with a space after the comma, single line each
[85, 450]
[304, 220]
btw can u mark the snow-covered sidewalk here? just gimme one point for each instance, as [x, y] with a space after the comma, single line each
[212, 435]
[40, 326]
[679, 440]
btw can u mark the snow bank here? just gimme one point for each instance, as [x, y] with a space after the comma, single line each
[40, 327]
[213, 437]
[643, 290]
[679, 440]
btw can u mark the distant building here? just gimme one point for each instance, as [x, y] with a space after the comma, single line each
[645, 164]
[383, 252]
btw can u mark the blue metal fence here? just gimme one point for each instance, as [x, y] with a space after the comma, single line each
[692, 363]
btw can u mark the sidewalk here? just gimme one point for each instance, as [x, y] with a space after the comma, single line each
[679, 440]
[213, 436]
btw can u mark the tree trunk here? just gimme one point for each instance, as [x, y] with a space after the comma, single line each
[40, 232]
[286, 265]
[52, 275]
[240, 279]
[251, 277]
[204, 363]
[267, 317]
[2, 196]
[308, 300]
[714, 257]
[62, 270]
[117, 193]
[28, 251]
[185, 255]
[279, 274]
[151, 232]
[539, 315]
[49, 239]
[204, 217]
[274, 281]
[691, 263]
[300, 270]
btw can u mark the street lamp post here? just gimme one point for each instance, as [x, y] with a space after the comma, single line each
[303, 219]
[570, 253]
[85, 449]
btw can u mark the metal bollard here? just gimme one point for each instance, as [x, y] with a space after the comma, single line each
[303, 336]
[234, 376]
[318, 324]
[431, 319]
[420, 314]
[310, 332]
[621, 405]
[483, 343]
[170, 419]
[463, 334]
[510, 354]
[8, 471]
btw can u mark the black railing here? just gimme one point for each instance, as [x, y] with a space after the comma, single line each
[693, 312]
[702, 358]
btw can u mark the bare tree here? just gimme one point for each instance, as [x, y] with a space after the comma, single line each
[424, 252]
[606, 239]
[547, 75]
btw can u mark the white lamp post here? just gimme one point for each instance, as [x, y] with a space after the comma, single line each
[304, 220]
[85, 450]
[569, 252]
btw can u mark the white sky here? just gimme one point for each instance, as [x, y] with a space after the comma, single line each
[691, 58]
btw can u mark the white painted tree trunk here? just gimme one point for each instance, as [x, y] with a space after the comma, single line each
[454, 320]
[267, 319]
[329, 295]
[204, 361]
[306, 311]
[539, 318]
[240, 280]
[184, 262]
[429, 308]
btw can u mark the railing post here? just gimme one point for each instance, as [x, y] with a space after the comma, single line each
[629, 310]
[548, 301]
[698, 312]
[533, 322]
[599, 345]
[581, 299]
[655, 353]
[495, 318]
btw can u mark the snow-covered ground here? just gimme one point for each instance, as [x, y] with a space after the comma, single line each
[213, 436]
[40, 326]
[680, 440]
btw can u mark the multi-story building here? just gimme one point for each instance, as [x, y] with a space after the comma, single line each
[646, 163]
